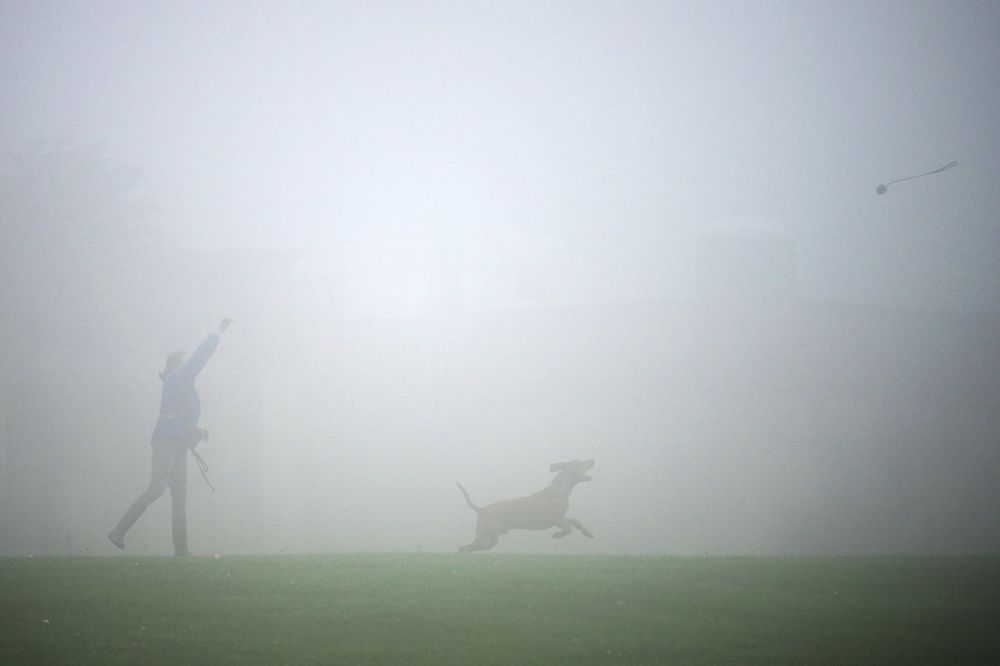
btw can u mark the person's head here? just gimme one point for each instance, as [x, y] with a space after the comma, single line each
[174, 361]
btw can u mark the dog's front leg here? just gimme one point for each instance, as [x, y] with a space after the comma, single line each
[566, 525]
[561, 533]
[578, 525]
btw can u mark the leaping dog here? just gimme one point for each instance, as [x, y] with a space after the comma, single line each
[538, 511]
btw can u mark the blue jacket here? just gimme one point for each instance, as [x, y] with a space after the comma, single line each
[180, 406]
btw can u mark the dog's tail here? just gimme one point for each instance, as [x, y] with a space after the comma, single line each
[468, 500]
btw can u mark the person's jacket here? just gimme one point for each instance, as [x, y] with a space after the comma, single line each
[180, 407]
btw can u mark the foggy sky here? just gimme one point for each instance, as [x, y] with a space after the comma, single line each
[616, 131]
[460, 241]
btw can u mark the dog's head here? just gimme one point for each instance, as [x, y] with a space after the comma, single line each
[575, 469]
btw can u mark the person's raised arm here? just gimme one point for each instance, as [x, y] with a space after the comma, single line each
[204, 351]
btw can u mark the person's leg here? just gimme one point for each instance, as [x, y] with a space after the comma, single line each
[163, 458]
[178, 501]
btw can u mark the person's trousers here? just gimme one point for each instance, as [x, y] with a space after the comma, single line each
[168, 468]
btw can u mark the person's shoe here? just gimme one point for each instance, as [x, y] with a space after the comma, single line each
[183, 553]
[117, 540]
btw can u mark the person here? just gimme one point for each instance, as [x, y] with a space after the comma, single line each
[176, 431]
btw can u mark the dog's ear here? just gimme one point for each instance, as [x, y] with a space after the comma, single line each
[557, 467]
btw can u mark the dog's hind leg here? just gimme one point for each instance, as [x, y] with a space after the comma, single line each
[487, 536]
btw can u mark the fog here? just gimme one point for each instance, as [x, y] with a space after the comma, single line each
[463, 241]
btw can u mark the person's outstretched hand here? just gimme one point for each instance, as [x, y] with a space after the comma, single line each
[226, 321]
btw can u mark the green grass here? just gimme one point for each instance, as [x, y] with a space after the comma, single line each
[500, 609]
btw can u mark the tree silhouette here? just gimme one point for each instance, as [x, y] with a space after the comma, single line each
[58, 192]
[69, 215]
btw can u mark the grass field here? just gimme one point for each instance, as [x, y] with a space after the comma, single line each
[499, 609]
